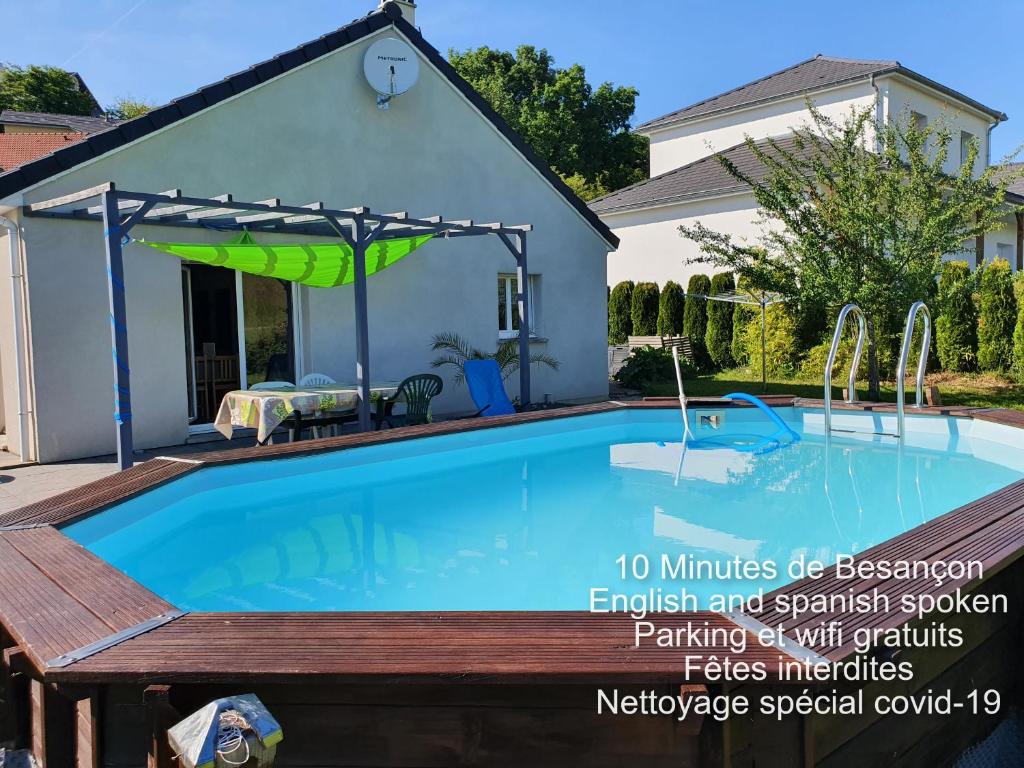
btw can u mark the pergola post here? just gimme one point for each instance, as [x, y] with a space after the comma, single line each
[112, 234]
[359, 242]
[523, 283]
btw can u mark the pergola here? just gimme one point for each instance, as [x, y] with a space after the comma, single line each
[120, 211]
[749, 297]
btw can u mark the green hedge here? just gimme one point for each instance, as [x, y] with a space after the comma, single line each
[620, 306]
[671, 307]
[956, 327]
[695, 318]
[645, 309]
[718, 337]
[998, 317]
[1018, 346]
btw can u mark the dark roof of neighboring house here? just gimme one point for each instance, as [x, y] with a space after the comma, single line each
[160, 117]
[19, 148]
[702, 178]
[1016, 187]
[75, 123]
[707, 177]
[805, 77]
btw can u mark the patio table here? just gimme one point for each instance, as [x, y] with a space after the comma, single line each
[267, 409]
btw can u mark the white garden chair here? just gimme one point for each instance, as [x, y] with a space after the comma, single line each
[316, 380]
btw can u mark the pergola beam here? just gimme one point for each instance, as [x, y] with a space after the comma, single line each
[358, 227]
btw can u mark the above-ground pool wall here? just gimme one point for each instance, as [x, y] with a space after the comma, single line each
[436, 725]
[312, 134]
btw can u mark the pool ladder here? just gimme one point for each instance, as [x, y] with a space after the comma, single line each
[901, 370]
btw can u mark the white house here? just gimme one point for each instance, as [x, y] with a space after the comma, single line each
[688, 183]
[303, 126]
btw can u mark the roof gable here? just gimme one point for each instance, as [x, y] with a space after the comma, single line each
[802, 78]
[76, 123]
[389, 14]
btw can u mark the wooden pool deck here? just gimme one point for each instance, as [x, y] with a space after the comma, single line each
[56, 598]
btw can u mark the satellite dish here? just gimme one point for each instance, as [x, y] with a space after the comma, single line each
[391, 68]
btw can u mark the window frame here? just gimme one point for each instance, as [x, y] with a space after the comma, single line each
[509, 279]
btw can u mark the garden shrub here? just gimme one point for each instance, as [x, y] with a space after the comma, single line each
[780, 342]
[695, 318]
[812, 367]
[718, 336]
[998, 317]
[645, 309]
[620, 308]
[1018, 346]
[648, 367]
[956, 327]
[670, 310]
[742, 315]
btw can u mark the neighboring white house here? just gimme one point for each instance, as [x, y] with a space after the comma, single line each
[688, 183]
[301, 127]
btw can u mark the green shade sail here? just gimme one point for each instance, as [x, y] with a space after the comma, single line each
[321, 265]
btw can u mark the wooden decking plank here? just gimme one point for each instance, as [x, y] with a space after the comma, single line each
[43, 619]
[97, 495]
[355, 646]
[119, 601]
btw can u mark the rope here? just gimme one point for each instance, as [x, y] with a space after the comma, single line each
[231, 736]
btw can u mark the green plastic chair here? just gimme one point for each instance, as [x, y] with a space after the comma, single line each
[417, 392]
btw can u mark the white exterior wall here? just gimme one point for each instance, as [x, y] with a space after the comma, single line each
[312, 134]
[901, 95]
[675, 146]
[651, 248]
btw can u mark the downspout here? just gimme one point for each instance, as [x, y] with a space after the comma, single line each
[879, 113]
[18, 328]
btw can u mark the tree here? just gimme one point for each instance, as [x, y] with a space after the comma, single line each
[956, 327]
[670, 309]
[718, 337]
[998, 316]
[581, 131]
[620, 309]
[695, 318]
[645, 309]
[852, 211]
[44, 89]
[127, 108]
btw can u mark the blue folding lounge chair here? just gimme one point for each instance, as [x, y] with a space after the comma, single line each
[486, 388]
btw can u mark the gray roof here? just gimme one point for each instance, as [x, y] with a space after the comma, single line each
[803, 78]
[1015, 190]
[701, 178]
[75, 123]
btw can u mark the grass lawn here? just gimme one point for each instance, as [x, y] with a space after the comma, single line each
[979, 390]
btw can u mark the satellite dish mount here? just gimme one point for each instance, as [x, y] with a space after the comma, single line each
[391, 67]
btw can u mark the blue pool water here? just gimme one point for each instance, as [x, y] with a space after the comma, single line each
[531, 517]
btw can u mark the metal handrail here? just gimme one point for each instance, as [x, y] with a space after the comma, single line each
[851, 392]
[922, 362]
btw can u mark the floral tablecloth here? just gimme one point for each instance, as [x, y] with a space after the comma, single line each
[265, 409]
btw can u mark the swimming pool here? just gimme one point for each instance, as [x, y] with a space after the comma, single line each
[532, 516]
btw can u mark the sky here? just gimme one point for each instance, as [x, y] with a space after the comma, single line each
[675, 52]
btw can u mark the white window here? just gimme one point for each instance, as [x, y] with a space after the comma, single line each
[1006, 251]
[919, 121]
[966, 139]
[508, 306]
